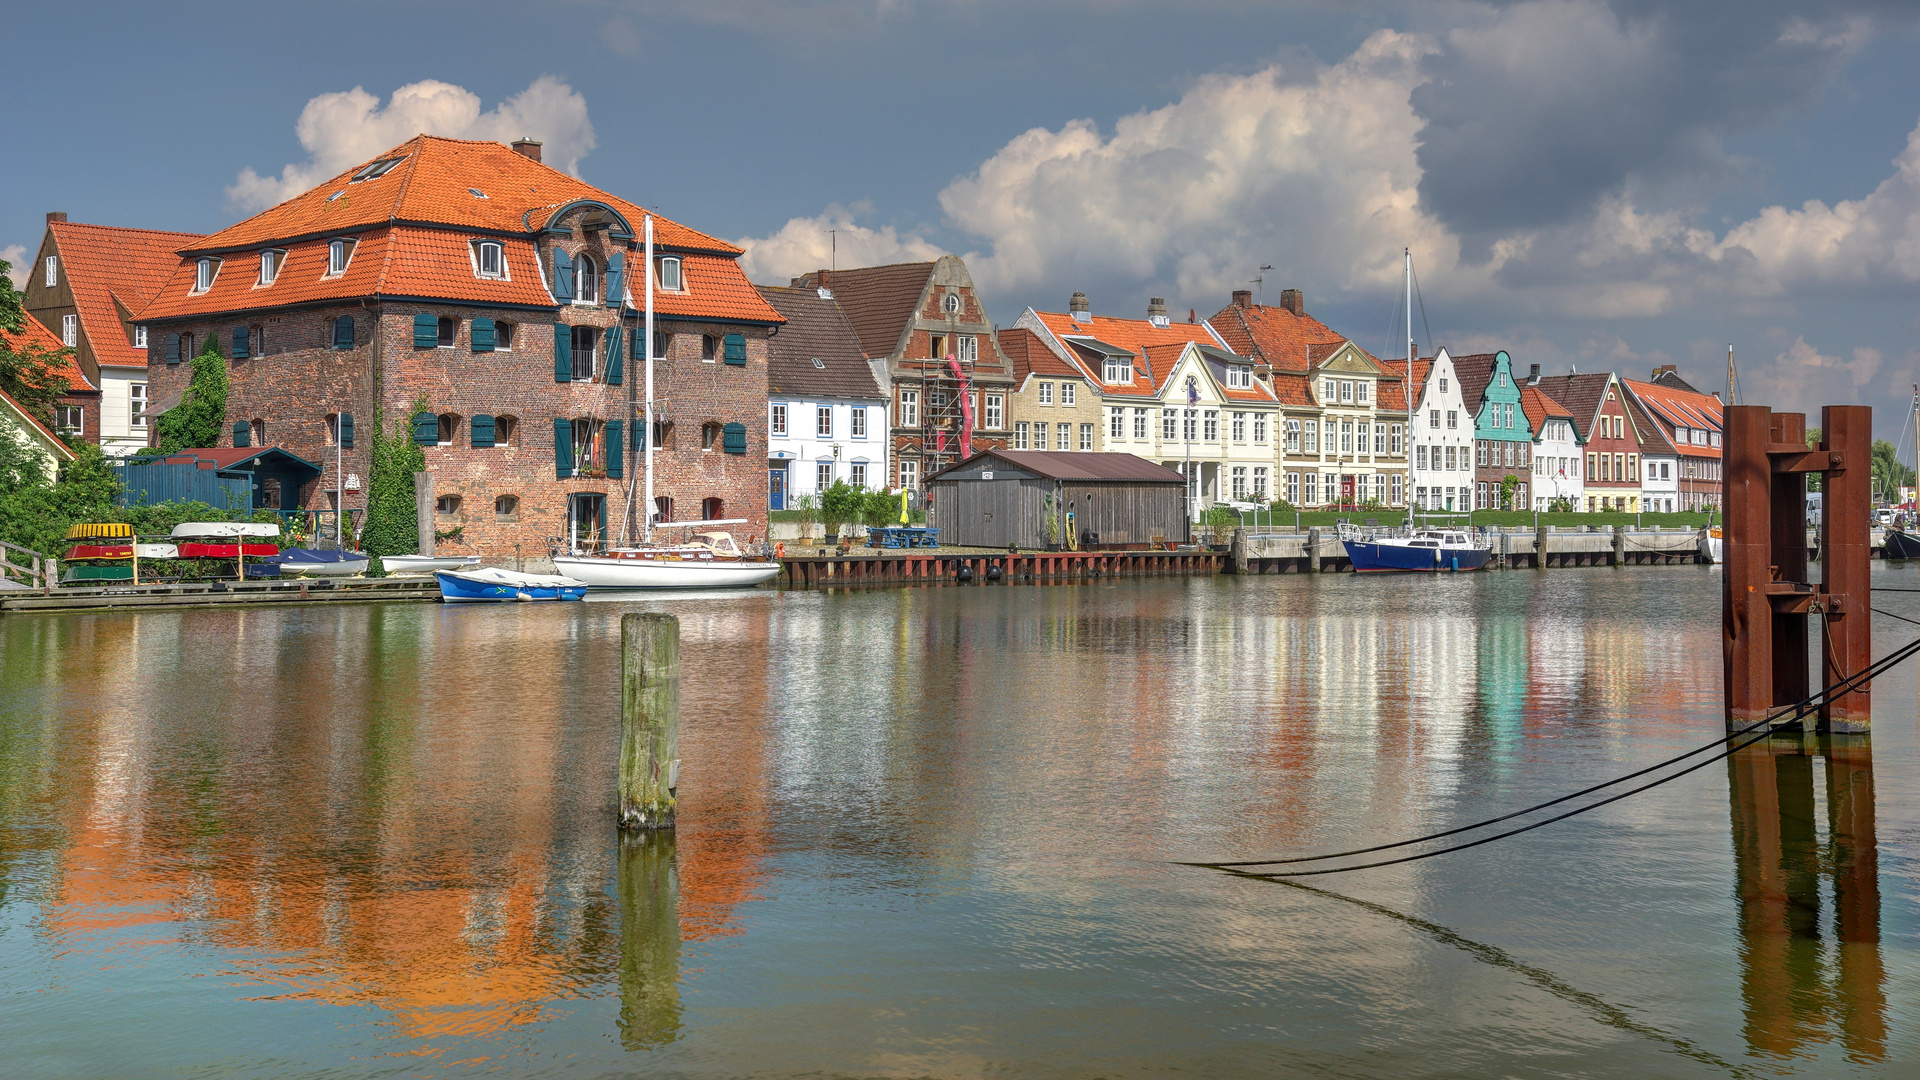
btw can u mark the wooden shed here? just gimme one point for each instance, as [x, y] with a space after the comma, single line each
[1001, 497]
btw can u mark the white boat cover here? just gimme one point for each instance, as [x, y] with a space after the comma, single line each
[493, 575]
[156, 551]
[224, 529]
[427, 564]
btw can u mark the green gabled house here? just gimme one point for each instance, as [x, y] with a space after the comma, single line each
[1502, 436]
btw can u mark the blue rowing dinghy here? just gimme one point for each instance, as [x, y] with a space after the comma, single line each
[493, 585]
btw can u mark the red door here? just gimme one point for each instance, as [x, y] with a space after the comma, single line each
[1346, 490]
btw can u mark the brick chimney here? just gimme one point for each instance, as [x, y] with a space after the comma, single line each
[1533, 375]
[56, 215]
[1243, 298]
[1157, 310]
[527, 148]
[1293, 301]
[1664, 369]
[1078, 307]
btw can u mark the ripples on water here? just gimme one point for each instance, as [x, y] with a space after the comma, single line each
[928, 831]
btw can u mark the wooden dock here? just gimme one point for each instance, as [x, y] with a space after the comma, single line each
[937, 567]
[219, 593]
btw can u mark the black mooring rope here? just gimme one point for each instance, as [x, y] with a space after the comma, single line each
[1799, 710]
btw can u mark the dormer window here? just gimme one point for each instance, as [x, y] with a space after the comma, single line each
[139, 337]
[204, 271]
[670, 274]
[1239, 376]
[1116, 369]
[378, 169]
[586, 281]
[339, 254]
[270, 263]
[490, 259]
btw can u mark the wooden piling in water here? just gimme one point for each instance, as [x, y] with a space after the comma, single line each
[649, 719]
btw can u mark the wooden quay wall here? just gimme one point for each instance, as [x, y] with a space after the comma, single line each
[932, 567]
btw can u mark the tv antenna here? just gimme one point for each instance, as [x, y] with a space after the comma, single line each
[1259, 281]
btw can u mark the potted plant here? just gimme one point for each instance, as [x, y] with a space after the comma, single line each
[1220, 520]
[840, 504]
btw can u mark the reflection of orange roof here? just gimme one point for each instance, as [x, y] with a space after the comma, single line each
[105, 264]
[34, 334]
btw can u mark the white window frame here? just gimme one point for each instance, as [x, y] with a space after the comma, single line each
[70, 330]
[587, 271]
[777, 419]
[339, 256]
[1022, 432]
[822, 475]
[967, 348]
[1346, 391]
[1360, 391]
[139, 337]
[1116, 423]
[1239, 376]
[1210, 425]
[993, 416]
[909, 473]
[1140, 428]
[52, 271]
[1045, 393]
[823, 421]
[1238, 427]
[1063, 437]
[857, 422]
[271, 260]
[1259, 428]
[672, 276]
[909, 408]
[206, 271]
[1067, 394]
[1086, 437]
[1116, 370]
[1169, 424]
[499, 271]
[857, 475]
[79, 428]
[137, 405]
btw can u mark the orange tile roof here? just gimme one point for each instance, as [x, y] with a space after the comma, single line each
[1394, 393]
[1130, 334]
[431, 186]
[1679, 408]
[1278, 337]
[105, 263]
[1293, 389]
[34, 333]
[1538, 407]
[1031, 356]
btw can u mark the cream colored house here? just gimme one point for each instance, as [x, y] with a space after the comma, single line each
[18, 427]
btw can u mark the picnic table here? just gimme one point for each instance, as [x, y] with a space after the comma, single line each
[903, 536]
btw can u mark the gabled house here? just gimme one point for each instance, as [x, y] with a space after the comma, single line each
[924, 325]
[25, 431]
[1690, 423]
[1442, 438]
[1502, 440]
[503, 297]
[77, 413]
[1172, 393]
[826, 414]
[1055, 404]
[1610, 440]
[1556, 449]
[1345, 417]
[85, 286]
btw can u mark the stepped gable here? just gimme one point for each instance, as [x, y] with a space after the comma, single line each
[413, 228]
[879, 300]
[33, 333]
[114, 273]
[1581, 394]
[816, 328]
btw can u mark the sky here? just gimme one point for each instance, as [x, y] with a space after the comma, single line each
[1588, 184]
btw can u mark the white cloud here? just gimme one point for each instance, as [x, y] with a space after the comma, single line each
[18, 255]
[1801, 378]
[809, 243]
[342, 129]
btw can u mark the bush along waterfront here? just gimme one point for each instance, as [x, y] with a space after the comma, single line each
[393, 520]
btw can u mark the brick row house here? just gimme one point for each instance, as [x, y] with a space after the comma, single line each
[1690, 423]
[926, 329]
[85, 285]
[504, 297]
[1613, 434]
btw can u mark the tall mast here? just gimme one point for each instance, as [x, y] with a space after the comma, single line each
[1733, 380]
[1916, 448]
[1412, 349]
[647, 261]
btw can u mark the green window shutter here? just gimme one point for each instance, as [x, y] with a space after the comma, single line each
[616, 451]
[481, 428]
[173, 348]
[240, 342]
[346, 431]
[613, 355]
[734, 439]
[426, 430]
[562, 448]
[562, 276]
[343, 332]
[426, 331]
[562, 353]
[736, 349]
[639, 436]
[616, 265]
[481, 331]
[242, 433]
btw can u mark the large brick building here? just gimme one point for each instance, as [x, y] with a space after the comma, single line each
[502, 295]
[913, 316]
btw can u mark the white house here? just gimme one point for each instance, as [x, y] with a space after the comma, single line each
[33, 438]
[826, 413]
[1556, 450]
[1442, 436]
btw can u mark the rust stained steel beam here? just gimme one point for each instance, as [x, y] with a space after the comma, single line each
[1792, 457]
[1787, 514]
[1746, 629]
[1845, 560]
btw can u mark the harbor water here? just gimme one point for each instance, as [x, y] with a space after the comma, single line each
[935, 832]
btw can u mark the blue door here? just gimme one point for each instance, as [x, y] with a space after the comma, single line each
[777, 487]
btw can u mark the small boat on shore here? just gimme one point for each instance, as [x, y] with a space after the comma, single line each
[493, 585]
[318, 562]
[427, 564]
[224, 530]
[1901, 544]
[711, 560]
[1414, 551]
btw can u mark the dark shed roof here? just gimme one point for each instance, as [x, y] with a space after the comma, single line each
[816, 329]
[1077, 466]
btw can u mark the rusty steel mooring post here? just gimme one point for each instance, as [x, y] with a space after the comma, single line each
[1746, 628]
[1846, 553]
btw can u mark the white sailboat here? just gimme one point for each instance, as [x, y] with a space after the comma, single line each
[709, 560]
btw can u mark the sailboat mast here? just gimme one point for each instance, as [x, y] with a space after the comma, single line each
[1733, 381]
[646, 508]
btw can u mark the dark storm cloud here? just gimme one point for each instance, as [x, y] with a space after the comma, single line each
[1539, 110]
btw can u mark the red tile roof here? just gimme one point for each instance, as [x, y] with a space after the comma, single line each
[1130, 334]
[1539, 407]
[1293, 389]
[1278, 337]
[1394, 394]
[1673, 407]
[1031, 356]
[394, 257]
[33, 333]
[1581, 394]
[105, 264]
[431, 186]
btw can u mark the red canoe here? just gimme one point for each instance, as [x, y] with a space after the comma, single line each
[100, 551]
[226, 551]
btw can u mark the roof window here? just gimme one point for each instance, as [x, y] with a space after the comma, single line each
[476, 193]
[377, 170]
[204, 271]
[270, 263]
[339, 254]
[336, 194]
[489, 259]
[819, 364]
[670, 274]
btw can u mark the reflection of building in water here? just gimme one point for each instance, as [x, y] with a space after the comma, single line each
[411, 819]
[1799, 987]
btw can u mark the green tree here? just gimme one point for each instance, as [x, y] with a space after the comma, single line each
[1509, 484]
[195, 423]
[840, 504]
[1889, 475]
[36, 514]
[29, 373]
[393, 519]
[877, 508]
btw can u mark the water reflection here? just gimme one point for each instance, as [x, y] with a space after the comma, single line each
[1807, 978]
[649, 888]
